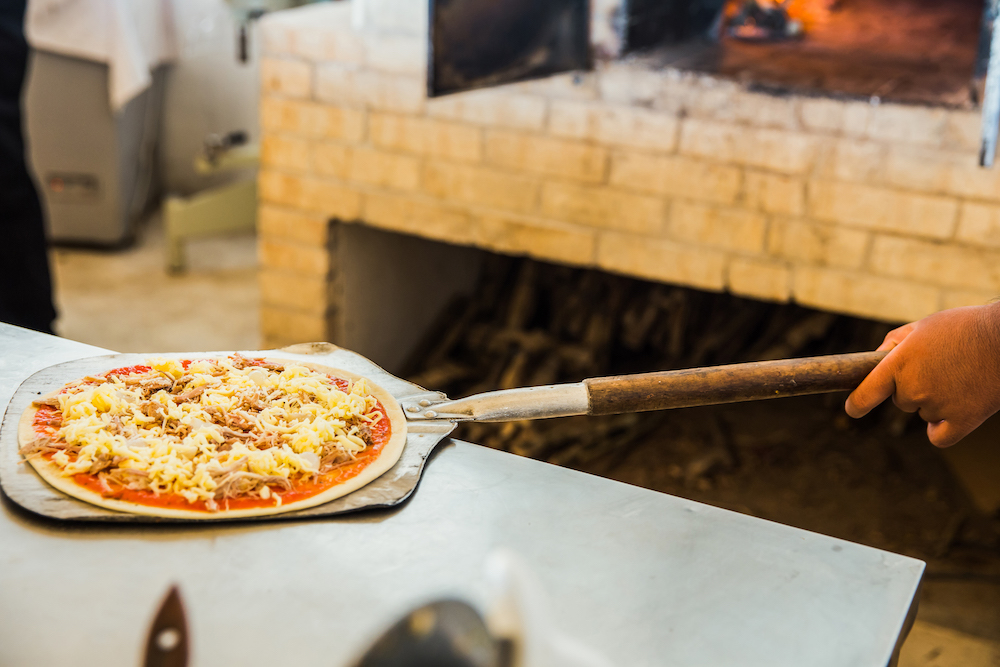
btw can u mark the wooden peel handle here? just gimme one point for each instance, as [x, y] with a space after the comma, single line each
[751, 381]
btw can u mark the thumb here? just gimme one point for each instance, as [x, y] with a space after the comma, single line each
[946, 433]
[878, 386]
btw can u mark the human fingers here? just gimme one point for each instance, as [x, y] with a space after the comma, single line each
[929, 413]
[878, 386]
[946, 433]
[896, 336]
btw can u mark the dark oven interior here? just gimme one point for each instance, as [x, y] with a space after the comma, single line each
[921, 51]
[918, 51]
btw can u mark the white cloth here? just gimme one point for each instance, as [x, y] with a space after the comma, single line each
[131, 36]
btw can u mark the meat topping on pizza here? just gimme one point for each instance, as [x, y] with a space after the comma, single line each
[207, 430]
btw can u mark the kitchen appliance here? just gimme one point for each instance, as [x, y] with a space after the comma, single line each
[94, 167]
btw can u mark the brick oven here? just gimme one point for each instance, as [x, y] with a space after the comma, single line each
[373, 193]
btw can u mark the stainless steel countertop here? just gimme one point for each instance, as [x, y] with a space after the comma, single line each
[645, 578]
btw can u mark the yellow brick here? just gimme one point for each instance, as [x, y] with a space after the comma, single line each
[556, 157]
[761, 110]
[278, 188]
[698, 96]
[284, 326]
[658, 259]
[343, 85]
[389, 170]
[323, 42]
[308, 119]
[334, 200]
[676, 176]
[968, 179]
[878, 208]
[347, 86]
[614, 125]
[759, 279]
[835, 116]
[543, 239]
[960, 298]
[814, 243]
[730, 228]
[332, 160]
[774, 193]
[623, 83]
[419, 217]
[936, 263]
[857, 161]
[394, 92]
[777, 150]
[398, 54]
[908, 124]
[979, 224]
[861, 294]
[426, 136]
[297, 257]
[294, 290]
[963, 130]
[276, 37]
[292, 225]
[309, 194]
[491, 107]
[292, 78]
[603, 207]
[922, 169]
[481, 186]
[284, 152]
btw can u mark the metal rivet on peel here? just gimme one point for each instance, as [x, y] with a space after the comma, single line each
[430, 414]
[425, 403]
[413, 408]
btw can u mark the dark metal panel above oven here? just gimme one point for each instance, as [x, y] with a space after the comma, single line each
[482, 43]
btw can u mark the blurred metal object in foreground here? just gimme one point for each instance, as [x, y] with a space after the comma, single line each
[447, 633]
[167, 643]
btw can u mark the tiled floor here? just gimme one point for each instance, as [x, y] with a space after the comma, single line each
[124, 300]
[935, 646]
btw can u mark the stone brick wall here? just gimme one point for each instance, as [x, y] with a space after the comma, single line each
[874, 210]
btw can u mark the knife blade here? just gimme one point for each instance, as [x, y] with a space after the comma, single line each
[167, 643]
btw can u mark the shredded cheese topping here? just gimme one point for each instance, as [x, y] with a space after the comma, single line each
[218, 429]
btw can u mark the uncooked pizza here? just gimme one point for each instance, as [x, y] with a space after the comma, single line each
[213, 438]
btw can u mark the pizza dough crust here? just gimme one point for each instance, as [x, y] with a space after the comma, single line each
[391, 452]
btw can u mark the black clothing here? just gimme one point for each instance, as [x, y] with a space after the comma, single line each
[25, 285]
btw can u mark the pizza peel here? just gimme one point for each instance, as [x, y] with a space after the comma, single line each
[432, 416]
[23, 486]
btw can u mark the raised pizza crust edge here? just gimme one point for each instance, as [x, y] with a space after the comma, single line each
[393, 449]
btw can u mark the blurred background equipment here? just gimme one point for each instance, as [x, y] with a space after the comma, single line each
[93, 105]
[481, 43]
[120, 98]
[221, 209]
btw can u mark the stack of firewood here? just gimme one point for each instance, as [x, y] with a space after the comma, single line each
[530, 323]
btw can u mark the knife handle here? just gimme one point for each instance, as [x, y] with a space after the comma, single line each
[751, 381]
